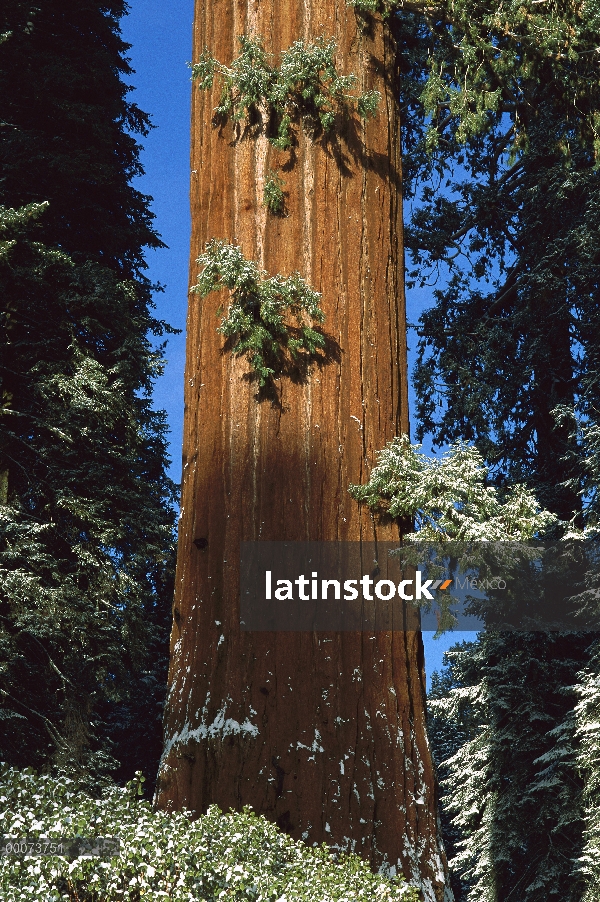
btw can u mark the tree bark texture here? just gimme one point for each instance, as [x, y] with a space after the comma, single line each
[322, 733]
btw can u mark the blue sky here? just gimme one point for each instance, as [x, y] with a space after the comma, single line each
[160, 34]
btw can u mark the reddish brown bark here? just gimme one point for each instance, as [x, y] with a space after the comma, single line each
[324, 734]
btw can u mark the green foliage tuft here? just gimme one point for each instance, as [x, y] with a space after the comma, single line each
[368, 104]
[168, 856]
[270, 320]
[273, 195]
[305, 87]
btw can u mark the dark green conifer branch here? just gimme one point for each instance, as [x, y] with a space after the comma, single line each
[270, 320]
[486, 56]
[306, 87]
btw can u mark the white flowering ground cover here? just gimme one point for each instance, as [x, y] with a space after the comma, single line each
[167, 856]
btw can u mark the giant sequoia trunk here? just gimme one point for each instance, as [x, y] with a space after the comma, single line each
[322, 733]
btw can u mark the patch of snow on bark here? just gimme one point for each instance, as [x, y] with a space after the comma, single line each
[219, 728]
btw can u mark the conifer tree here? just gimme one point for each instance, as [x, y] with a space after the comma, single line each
[518, 823]
[509, 361]
[501, 717]
[511, 785]
[85, 504]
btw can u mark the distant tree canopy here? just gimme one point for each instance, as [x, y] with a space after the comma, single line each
[86, 507]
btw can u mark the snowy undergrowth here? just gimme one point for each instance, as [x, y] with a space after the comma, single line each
[167, 856]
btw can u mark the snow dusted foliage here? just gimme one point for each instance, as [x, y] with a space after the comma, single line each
[304, 87]
[503, 733]
[517, 759]
[168, 856]
[459, 725]
[587, 713]
[261, 308]
[449, 497]
[587, 710]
